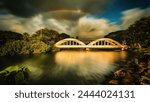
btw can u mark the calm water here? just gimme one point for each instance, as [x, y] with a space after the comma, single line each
[69, 67]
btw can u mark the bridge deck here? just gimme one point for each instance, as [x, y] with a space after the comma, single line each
[88, 46]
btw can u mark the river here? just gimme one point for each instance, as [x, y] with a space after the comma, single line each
[68, 67]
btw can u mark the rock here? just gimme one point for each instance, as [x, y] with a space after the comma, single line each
[128, 79]
[124, 76]
[120, 73]
[113, 82]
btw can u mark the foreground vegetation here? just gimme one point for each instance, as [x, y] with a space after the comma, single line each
[15, 75]
[135, 71]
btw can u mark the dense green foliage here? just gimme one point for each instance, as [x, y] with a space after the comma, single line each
[15, 44]
[49, 36]
[24, 47]
[139, 32]
[15, 75]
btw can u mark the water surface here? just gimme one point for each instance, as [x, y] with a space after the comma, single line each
[69, 67]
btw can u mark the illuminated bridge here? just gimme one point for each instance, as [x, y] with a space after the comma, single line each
[102, 43]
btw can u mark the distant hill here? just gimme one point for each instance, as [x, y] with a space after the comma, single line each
[42, 34]
[139, 32]
[51, 34]
[9, 35]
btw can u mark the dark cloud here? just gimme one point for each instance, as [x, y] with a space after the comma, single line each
[64, 14]
[27, 8]
[74, 17]
[19, 7]
[88, 6]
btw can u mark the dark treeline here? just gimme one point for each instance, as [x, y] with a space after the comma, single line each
[9, 35]
[139, 32]
[12, 43]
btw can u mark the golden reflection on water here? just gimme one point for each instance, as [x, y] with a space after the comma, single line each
[89, 64]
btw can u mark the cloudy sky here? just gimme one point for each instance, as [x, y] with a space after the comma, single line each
[88, 19]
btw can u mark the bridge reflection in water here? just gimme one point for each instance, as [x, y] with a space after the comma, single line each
[88, 65]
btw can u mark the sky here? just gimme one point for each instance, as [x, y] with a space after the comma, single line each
[87, 19]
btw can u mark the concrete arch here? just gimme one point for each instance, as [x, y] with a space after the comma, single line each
[61, 42]
[103, 43]
[108, 40]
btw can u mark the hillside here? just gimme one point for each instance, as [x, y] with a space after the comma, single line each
[12, 43]
[6, 36]
[139, 32]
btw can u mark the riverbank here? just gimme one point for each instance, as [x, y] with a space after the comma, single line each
[135, 71]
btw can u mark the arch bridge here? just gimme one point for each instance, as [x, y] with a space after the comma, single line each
[102, 43]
